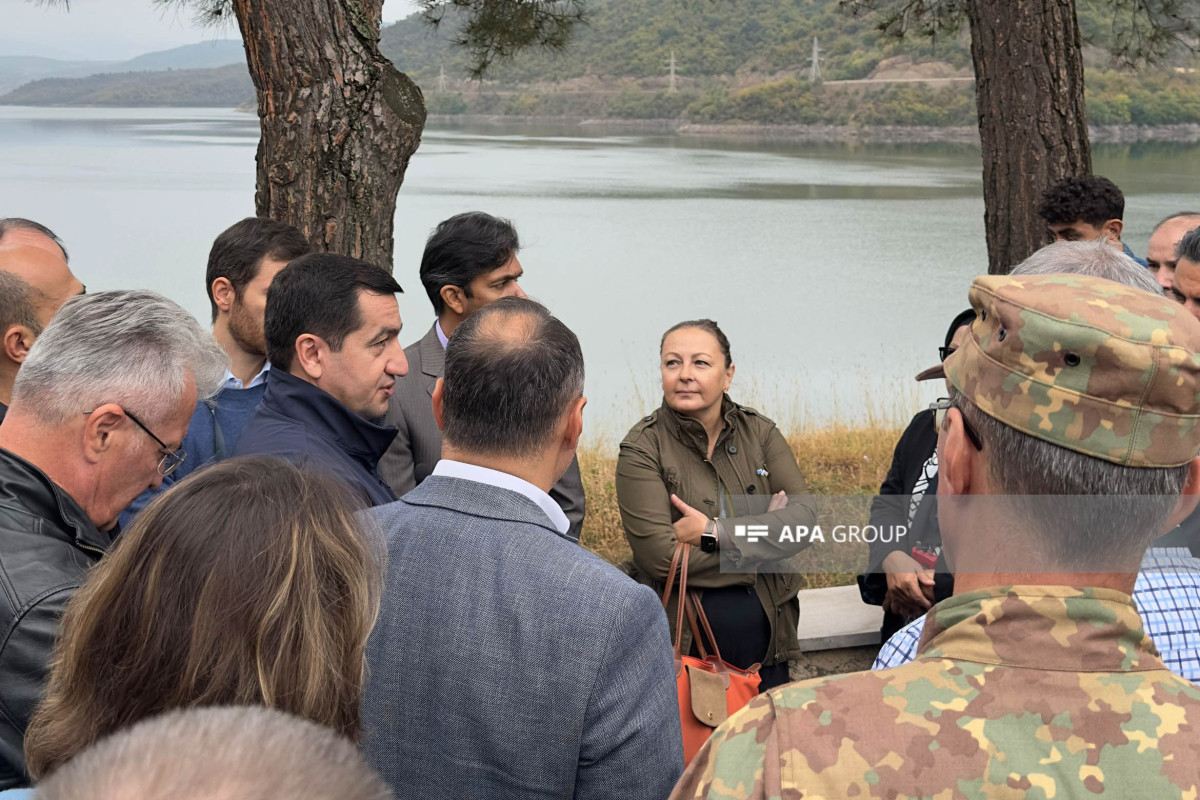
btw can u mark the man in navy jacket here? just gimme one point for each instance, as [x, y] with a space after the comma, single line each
[332, 325]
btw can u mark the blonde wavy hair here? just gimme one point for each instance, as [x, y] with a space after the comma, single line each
[252, 582]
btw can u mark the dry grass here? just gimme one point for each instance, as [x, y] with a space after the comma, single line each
[836, 460]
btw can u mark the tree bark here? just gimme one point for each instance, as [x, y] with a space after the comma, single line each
[1032, 125]
[339, 122]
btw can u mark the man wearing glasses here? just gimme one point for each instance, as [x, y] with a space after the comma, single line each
[98, 412]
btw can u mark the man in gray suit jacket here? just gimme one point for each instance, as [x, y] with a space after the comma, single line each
[470, 261]
[508, 662]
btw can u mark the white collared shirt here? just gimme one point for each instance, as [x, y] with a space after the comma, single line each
[232, 382]
[503, 480]
[443, 338]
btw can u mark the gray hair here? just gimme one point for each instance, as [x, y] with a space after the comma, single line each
[134, 348]
[17, 300]
[1126, 507]
[1189, 246]
[19, 223]
[1096, 258]
[218, 752]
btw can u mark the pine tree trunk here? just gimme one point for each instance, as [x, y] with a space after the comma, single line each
[339, 122]
[1029, 93]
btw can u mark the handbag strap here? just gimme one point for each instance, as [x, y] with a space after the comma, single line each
[683, 570]
[691, 614]
[679, 561]
[696, 611]
[666, 595]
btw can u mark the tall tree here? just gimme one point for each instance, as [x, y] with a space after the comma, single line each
[1029, 92]
[338, 121]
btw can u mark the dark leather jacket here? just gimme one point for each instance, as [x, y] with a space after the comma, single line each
[47, 544]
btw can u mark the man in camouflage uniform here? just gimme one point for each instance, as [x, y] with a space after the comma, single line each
[1036, 680]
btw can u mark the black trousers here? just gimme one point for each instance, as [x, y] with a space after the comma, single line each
[743, 631]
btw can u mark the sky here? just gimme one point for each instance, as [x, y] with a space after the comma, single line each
[114, 29]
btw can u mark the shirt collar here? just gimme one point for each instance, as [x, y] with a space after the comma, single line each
[1041, 627]
[504, 480]
[232, 382]
[442, 337]
[691, 428]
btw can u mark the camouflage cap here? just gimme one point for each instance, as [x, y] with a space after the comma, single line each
[1085, 363]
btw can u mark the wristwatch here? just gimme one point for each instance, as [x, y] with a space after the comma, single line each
[708, 539]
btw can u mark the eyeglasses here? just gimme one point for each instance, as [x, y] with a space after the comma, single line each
[939, 409]
[944, 352]
[171, 458]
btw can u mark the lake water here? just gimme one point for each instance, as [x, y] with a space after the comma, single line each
[833, 269]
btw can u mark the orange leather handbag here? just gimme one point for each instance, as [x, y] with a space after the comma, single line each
[710, 689]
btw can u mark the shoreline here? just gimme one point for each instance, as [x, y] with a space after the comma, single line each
[1185, 133]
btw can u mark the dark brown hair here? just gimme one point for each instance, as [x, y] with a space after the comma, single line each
[251, 582]
[238, 253]
[704, 325]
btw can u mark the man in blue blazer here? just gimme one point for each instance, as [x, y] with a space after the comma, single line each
[508, 662]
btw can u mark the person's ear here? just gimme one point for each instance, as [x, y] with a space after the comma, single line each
[438, 398]
[1112, 229]
[955, 456]
[574, 427]
[310, 351]
[455, 299]
[223, 294]
[101, 431]
[17, 341]
[729, 376]
[1189, 497]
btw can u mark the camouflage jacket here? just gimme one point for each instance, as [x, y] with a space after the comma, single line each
[1016, 692]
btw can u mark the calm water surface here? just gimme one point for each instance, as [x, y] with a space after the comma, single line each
[833, 269]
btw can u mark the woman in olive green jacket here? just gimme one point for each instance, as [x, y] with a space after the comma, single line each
[698, 467]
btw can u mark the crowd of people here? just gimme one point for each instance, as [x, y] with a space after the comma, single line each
[289, 557]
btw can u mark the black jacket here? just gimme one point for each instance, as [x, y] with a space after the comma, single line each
[892, 507]
[301, 423]
[47, 544]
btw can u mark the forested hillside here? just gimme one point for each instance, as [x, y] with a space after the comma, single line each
[748, 61]
[736, 61]
[222, 87]
[635, 38]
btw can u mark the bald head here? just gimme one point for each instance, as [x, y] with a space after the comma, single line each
[45, 273]
[1160, 254]
[512, 372]
[508, 330]
[18, 231]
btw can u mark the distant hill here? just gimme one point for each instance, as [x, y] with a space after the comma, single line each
[736, 62]
[226, 86]
[16, 71]
[748, 62]
[635, 39]
[202, 55]
[748, 39]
